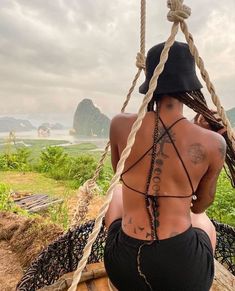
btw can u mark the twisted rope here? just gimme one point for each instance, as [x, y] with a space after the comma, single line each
[90, 187]
[208, 82]
[124, 155]
[178, 13]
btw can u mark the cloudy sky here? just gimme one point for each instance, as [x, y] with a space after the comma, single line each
[54, 53]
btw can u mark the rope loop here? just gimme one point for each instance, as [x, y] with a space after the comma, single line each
[140, 61]
[178, 11]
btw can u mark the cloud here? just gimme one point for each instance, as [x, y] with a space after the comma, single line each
[55, 53]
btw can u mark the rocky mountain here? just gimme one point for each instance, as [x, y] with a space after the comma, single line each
[8, 124]
[90, 121]
[231, 116]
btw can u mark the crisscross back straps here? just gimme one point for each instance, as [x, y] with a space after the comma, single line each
[169, 128]
[182, 162]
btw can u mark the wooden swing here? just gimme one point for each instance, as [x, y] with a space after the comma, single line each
[85, 234]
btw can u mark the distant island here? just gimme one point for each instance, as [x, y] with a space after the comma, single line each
[8, 124]
[44, 130]
[89, 121]
[11, 124]
[231, 116]
[53, 126]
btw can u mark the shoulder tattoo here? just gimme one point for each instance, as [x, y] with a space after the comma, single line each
[197, 153]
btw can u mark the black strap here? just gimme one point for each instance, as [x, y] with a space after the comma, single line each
[183, 164]
[159, 196]
[135, 163]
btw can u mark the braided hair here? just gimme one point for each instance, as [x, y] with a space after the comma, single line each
[197, 102]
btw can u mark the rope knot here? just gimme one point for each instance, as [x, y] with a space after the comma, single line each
[178, 11]
[140, 61]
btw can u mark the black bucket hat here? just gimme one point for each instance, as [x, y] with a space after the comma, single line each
[179, 74]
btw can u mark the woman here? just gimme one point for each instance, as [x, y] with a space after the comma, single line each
[159, 237]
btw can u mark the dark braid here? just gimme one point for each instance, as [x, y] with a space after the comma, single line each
[197, 102]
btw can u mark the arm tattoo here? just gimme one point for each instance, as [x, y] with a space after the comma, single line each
[197, 153]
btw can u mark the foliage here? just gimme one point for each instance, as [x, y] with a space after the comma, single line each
[58, 165]
[59, 214]
[17, 160]
[81, 168]
[6, 202]
[223, 208]
[52, 157]
[105, 178]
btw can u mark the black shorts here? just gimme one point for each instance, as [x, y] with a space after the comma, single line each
[182, 263]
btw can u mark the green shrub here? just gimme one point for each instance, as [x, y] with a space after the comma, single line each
[105, 178]
[17, 160]
[223, 208]
[3, 163]
[52, 157]
[7, 203]
[59, 214]
[58, 165]
[5, 199]
[81, 168]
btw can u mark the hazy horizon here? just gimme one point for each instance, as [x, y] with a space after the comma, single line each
[55, 53]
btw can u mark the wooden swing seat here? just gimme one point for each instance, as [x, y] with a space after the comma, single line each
[94, 278]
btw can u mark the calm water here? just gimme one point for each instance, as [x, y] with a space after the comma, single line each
[57, 135]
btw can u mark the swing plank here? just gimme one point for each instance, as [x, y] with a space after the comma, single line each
[94, 278]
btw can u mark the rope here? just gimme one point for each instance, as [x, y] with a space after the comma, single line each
[178, 12]
[210, 86]
[124, 155]
[90, 187]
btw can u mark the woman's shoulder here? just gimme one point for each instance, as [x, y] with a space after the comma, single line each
[122, 118]
[211, 140]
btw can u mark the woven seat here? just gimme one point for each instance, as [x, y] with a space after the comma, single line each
[63, 255]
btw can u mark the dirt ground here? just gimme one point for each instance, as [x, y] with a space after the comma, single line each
[10, 268]
[21, 239]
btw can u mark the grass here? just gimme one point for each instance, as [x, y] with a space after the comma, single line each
[36, 146]
[35, 183]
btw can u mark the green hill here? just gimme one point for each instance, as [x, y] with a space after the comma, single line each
[231, 116]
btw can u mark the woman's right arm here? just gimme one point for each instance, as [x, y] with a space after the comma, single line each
[206, 189]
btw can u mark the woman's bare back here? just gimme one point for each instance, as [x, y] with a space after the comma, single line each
[173, 178]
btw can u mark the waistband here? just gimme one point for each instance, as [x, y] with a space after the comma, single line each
[134, 242]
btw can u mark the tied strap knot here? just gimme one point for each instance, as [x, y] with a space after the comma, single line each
[178, 11]
[140, 61]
